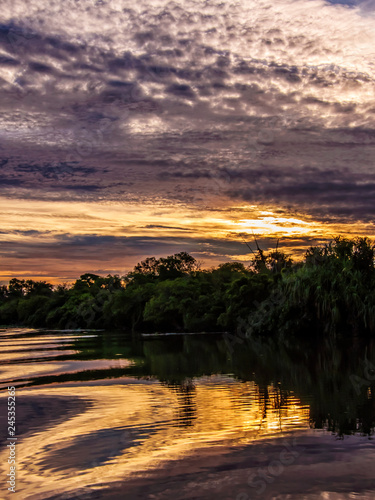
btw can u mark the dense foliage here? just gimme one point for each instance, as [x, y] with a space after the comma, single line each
[332, 291]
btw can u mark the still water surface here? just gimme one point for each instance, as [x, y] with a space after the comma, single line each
[94, 408]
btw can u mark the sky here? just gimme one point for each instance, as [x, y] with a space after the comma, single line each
[136, 129]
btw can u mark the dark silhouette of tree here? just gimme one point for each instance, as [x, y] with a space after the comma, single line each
[332, 291]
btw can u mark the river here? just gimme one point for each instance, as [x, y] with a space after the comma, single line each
[105, 415]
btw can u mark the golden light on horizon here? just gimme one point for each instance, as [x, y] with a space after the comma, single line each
[39, 225]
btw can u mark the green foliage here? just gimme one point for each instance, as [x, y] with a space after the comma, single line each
[242, 297]
[127, 307]
[183, 304]
[9, 312]
[333, 291]
[32, 310]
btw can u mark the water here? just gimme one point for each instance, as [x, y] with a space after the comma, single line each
[100, 412]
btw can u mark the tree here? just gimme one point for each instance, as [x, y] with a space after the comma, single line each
[16, 287]
[171, 267]
[37, 288]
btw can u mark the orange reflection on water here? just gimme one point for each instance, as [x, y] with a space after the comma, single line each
[118, 428]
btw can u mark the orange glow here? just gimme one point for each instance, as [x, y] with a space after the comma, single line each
[57, 222]
[224, 412]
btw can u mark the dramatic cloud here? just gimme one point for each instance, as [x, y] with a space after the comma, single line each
[193, 108]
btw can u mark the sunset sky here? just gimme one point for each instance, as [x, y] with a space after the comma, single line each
[133, 129]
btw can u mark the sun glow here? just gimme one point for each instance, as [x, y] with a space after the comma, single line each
[272, 225]
[83, 231]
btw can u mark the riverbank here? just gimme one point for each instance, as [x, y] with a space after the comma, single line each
[330, 293]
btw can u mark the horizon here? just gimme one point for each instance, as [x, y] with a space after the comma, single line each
[249, 265]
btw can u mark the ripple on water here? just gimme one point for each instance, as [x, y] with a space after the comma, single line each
[84, 417]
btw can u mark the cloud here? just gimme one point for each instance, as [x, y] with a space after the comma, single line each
[100, 254]
[257, 101]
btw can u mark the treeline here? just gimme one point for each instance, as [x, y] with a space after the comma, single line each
[332, 291]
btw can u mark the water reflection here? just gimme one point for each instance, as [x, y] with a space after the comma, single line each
[187, 402]
[101, 407]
